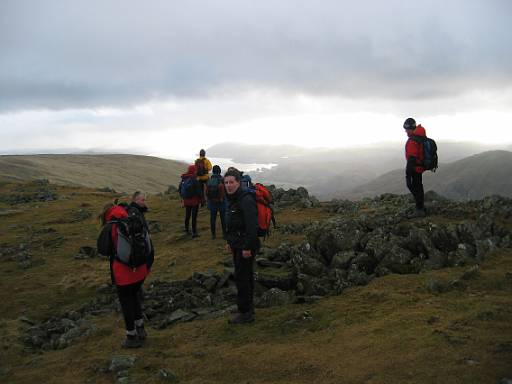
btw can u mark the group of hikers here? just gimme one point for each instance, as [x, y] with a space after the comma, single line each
[244, 211]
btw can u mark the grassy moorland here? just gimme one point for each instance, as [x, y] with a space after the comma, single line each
[391, 331]
[120, 172]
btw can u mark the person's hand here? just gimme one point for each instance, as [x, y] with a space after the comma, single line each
[246, 253]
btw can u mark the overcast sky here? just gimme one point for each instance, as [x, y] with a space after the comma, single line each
[170, 77]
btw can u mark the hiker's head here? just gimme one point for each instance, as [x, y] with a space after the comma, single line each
[202, 153]
[232, 180]
[192, 169]
[409, 125]
[216, 170]
[139, 198]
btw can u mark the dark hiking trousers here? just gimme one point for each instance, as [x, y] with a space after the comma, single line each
[414, 182]
[191, 211]
[131, 303]
[244, 279]
[221, 209]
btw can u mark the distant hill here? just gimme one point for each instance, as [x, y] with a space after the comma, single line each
[474, 177]
[125, 173]
[327, 171]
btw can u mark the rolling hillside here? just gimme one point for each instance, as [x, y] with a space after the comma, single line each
[120, 172]
[473, 177]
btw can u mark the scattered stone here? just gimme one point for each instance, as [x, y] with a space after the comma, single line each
[122, 362]
[168, 376]
[471, 273]
[107, 189]
[274, 297]
[86, 252]
[505, 380]
[436, 286]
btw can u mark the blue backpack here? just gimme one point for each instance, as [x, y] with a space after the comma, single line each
[430, 160]
[188, 188]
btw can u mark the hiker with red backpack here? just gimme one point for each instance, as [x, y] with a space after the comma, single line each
[242, 241]
[421, 155]
[216, 200]
[125, 239]
[203, 168]
[190, 192]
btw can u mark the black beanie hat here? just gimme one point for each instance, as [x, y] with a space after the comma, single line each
[410, 123]
[216, 170]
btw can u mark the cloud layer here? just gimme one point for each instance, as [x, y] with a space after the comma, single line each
[63, 55]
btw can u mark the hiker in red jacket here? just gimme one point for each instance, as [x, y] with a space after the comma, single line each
[191, 195]
[414, 168]
[128, 280]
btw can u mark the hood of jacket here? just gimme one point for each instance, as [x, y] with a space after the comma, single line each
[419, 131]
[116, 212]
[191, 171]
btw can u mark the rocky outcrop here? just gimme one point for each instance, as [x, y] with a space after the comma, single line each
[377, 239]
[298, 198]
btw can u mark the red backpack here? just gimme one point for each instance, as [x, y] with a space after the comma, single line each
[265, 212]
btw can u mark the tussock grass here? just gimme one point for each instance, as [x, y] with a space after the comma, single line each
[390, 331]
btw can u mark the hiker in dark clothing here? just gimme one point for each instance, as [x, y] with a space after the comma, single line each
[242, 241]
[190, 191]
[128, 280]
[216, 197]
[414, 169]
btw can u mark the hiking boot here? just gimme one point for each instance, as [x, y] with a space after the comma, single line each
[242, 318]
[141, 332]
[235, 310]
[132, 341]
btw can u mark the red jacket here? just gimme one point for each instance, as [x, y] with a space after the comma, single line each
[415, 149]
[123, 274]
[195, 200]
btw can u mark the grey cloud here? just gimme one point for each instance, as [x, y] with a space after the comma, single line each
[94, 53]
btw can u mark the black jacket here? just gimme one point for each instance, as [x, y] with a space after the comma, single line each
[242, 221]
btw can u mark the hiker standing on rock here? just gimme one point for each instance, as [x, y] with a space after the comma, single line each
[128, 275]
[414, 169]
[216, 198]
[190, 192]
[203, 167]
[242, 241]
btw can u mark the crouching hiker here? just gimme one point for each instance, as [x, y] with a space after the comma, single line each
[242, 241]
[125, 238]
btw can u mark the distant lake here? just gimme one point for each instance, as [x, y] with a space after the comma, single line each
[225, 163]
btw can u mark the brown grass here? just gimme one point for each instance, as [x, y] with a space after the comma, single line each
[391, 331]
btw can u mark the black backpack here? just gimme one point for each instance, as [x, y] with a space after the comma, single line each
[430, 160]
[213, 186]
[133, 241]
[201, 168]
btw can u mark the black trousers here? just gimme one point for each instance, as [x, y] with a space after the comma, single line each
[414, 182]
[244, 279]
[191, 211]
[214, 208]
[130, 297]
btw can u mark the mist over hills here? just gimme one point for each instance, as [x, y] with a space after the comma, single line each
[474, 177]
[125, 173]
[329, 173]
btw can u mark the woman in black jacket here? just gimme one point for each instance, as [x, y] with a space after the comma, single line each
[242, 241]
